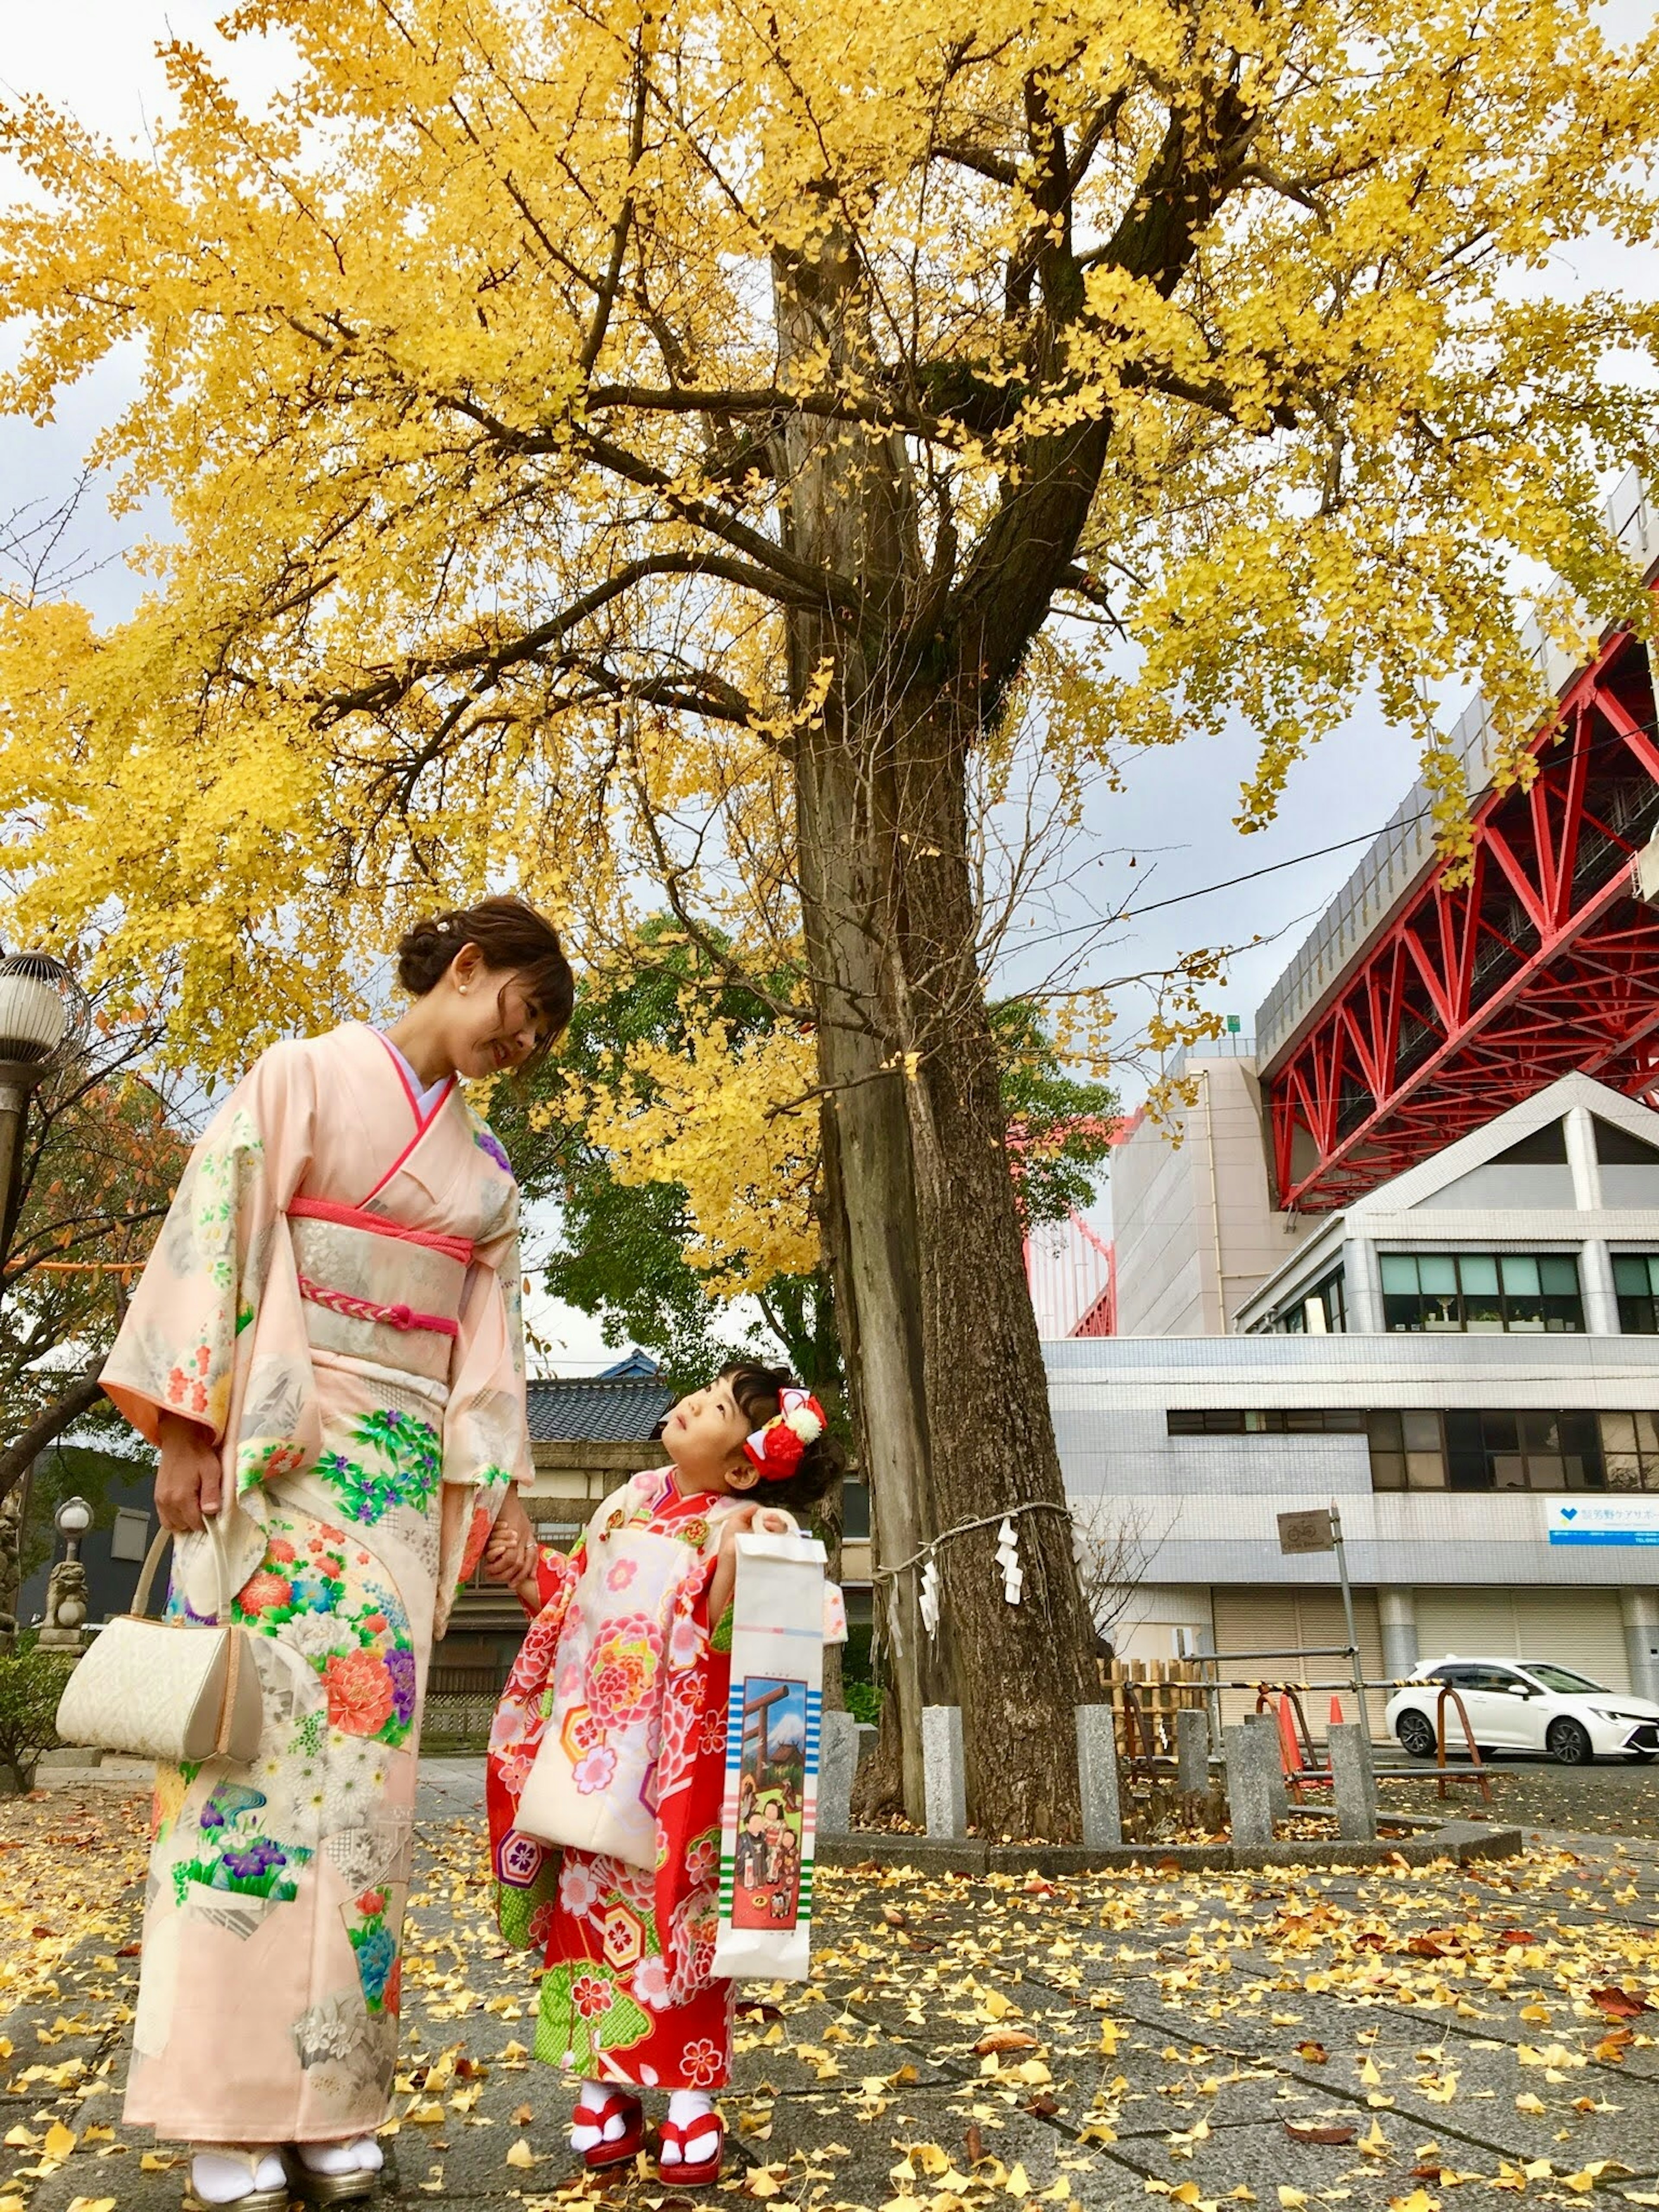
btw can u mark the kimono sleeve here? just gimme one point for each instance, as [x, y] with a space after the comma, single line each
[486, 1430]
[205, 1281]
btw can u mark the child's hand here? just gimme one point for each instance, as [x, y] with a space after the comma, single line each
[753, 1518]
[764, 1520]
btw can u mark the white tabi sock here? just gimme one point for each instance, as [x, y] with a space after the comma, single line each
[685, 2108]
[361, 2156]
[221, 2175]
[595, 2096]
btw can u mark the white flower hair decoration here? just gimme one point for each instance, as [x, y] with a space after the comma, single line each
[776, 1447]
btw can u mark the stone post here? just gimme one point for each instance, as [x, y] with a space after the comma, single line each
[838, 1758]
[1353, 1783]
[1193, 1749]
[1266, 1725]
[944, 1773]
[1249, 1801]
[1097, 1762]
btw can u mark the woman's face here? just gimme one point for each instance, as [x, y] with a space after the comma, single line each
[492, 1023]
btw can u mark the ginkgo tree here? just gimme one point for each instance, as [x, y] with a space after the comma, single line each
[679, 439]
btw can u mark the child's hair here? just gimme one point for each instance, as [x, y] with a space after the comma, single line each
[757, 1391]
[511, 935]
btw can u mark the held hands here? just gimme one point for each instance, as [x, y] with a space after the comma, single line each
[510, 1554]
[188, 1481]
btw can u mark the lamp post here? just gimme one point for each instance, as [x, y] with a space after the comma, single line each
[43, 1019]
[44, 1015]
[68, 1598]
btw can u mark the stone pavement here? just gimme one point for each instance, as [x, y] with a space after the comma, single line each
[1374, 2039]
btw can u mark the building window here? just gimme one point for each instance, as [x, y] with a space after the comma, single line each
[1482, 1293]
[129, 1538]
[1407, 1451]
[1636, 1279]
[1462, 1448]
[1322, 1312]
[854, 1511]
[1264, 1421]
[1630, 1443]
[563, 1534]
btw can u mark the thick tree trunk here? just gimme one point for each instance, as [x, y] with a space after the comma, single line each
[872, 1235]
[945, 1371]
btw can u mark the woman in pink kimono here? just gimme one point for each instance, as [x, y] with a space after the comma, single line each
[326, 1346]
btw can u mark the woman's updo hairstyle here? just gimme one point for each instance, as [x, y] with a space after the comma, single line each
[513, 938]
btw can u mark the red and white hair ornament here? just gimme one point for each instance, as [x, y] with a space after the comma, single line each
[776, 1448]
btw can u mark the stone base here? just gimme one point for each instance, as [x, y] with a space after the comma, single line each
[1462, 1840]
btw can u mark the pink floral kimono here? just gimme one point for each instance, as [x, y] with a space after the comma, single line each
[335, 1296]
[609, 1744]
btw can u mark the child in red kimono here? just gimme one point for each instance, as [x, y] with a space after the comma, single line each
[607, 1767]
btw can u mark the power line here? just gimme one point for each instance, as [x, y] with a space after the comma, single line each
[1320, 853]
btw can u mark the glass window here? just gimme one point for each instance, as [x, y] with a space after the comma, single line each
[1320, 1311]
[854, 1510]
[129, 1538]
[1630, 1444]
[1265, 1420]
[1405, 1451]
[1561, 1679]
[1635, 1280]
[1482, 1293]
[1467, 1449]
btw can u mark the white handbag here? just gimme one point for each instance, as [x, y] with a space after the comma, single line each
[169, 1689]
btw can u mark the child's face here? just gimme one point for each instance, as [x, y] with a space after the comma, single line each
[753, 1824]
[704, 1437]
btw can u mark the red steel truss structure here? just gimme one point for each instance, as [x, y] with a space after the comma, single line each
[1474, 995]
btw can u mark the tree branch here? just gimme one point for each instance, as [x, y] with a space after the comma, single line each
[81, 1394]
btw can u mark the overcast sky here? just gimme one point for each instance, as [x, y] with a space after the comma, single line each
[97, 58]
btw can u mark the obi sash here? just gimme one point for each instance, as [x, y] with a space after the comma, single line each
[377, 1291]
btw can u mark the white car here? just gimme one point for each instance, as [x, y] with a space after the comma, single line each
[1523, 1705]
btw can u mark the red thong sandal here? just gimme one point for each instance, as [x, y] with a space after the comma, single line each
[618, 2151]
[677, 2172]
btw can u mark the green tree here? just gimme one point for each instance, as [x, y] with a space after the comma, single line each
[622, 1254]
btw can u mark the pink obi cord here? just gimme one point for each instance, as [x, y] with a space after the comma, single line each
[354, 1217]
[405, 1317]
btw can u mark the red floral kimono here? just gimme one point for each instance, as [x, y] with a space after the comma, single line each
[621, 1684]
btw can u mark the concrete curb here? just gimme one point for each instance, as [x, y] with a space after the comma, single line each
[1462, 1840]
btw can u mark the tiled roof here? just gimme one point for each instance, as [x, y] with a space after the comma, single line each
[596, 1409]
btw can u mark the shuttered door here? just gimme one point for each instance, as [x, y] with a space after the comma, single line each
[1293, 1620]
[1476, 1624]
[1579, 1628]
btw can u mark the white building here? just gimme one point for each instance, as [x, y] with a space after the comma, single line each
[1452, 1360]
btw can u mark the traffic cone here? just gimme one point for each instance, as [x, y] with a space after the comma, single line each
[1336, 1710]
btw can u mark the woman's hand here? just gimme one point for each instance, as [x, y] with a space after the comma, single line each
[188, 1481]
[510, 1554]
[764, 1520]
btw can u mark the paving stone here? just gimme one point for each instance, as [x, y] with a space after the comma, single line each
[802, 2140]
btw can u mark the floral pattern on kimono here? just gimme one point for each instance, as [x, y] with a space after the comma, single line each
[366, 1457]
[629, 1993]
